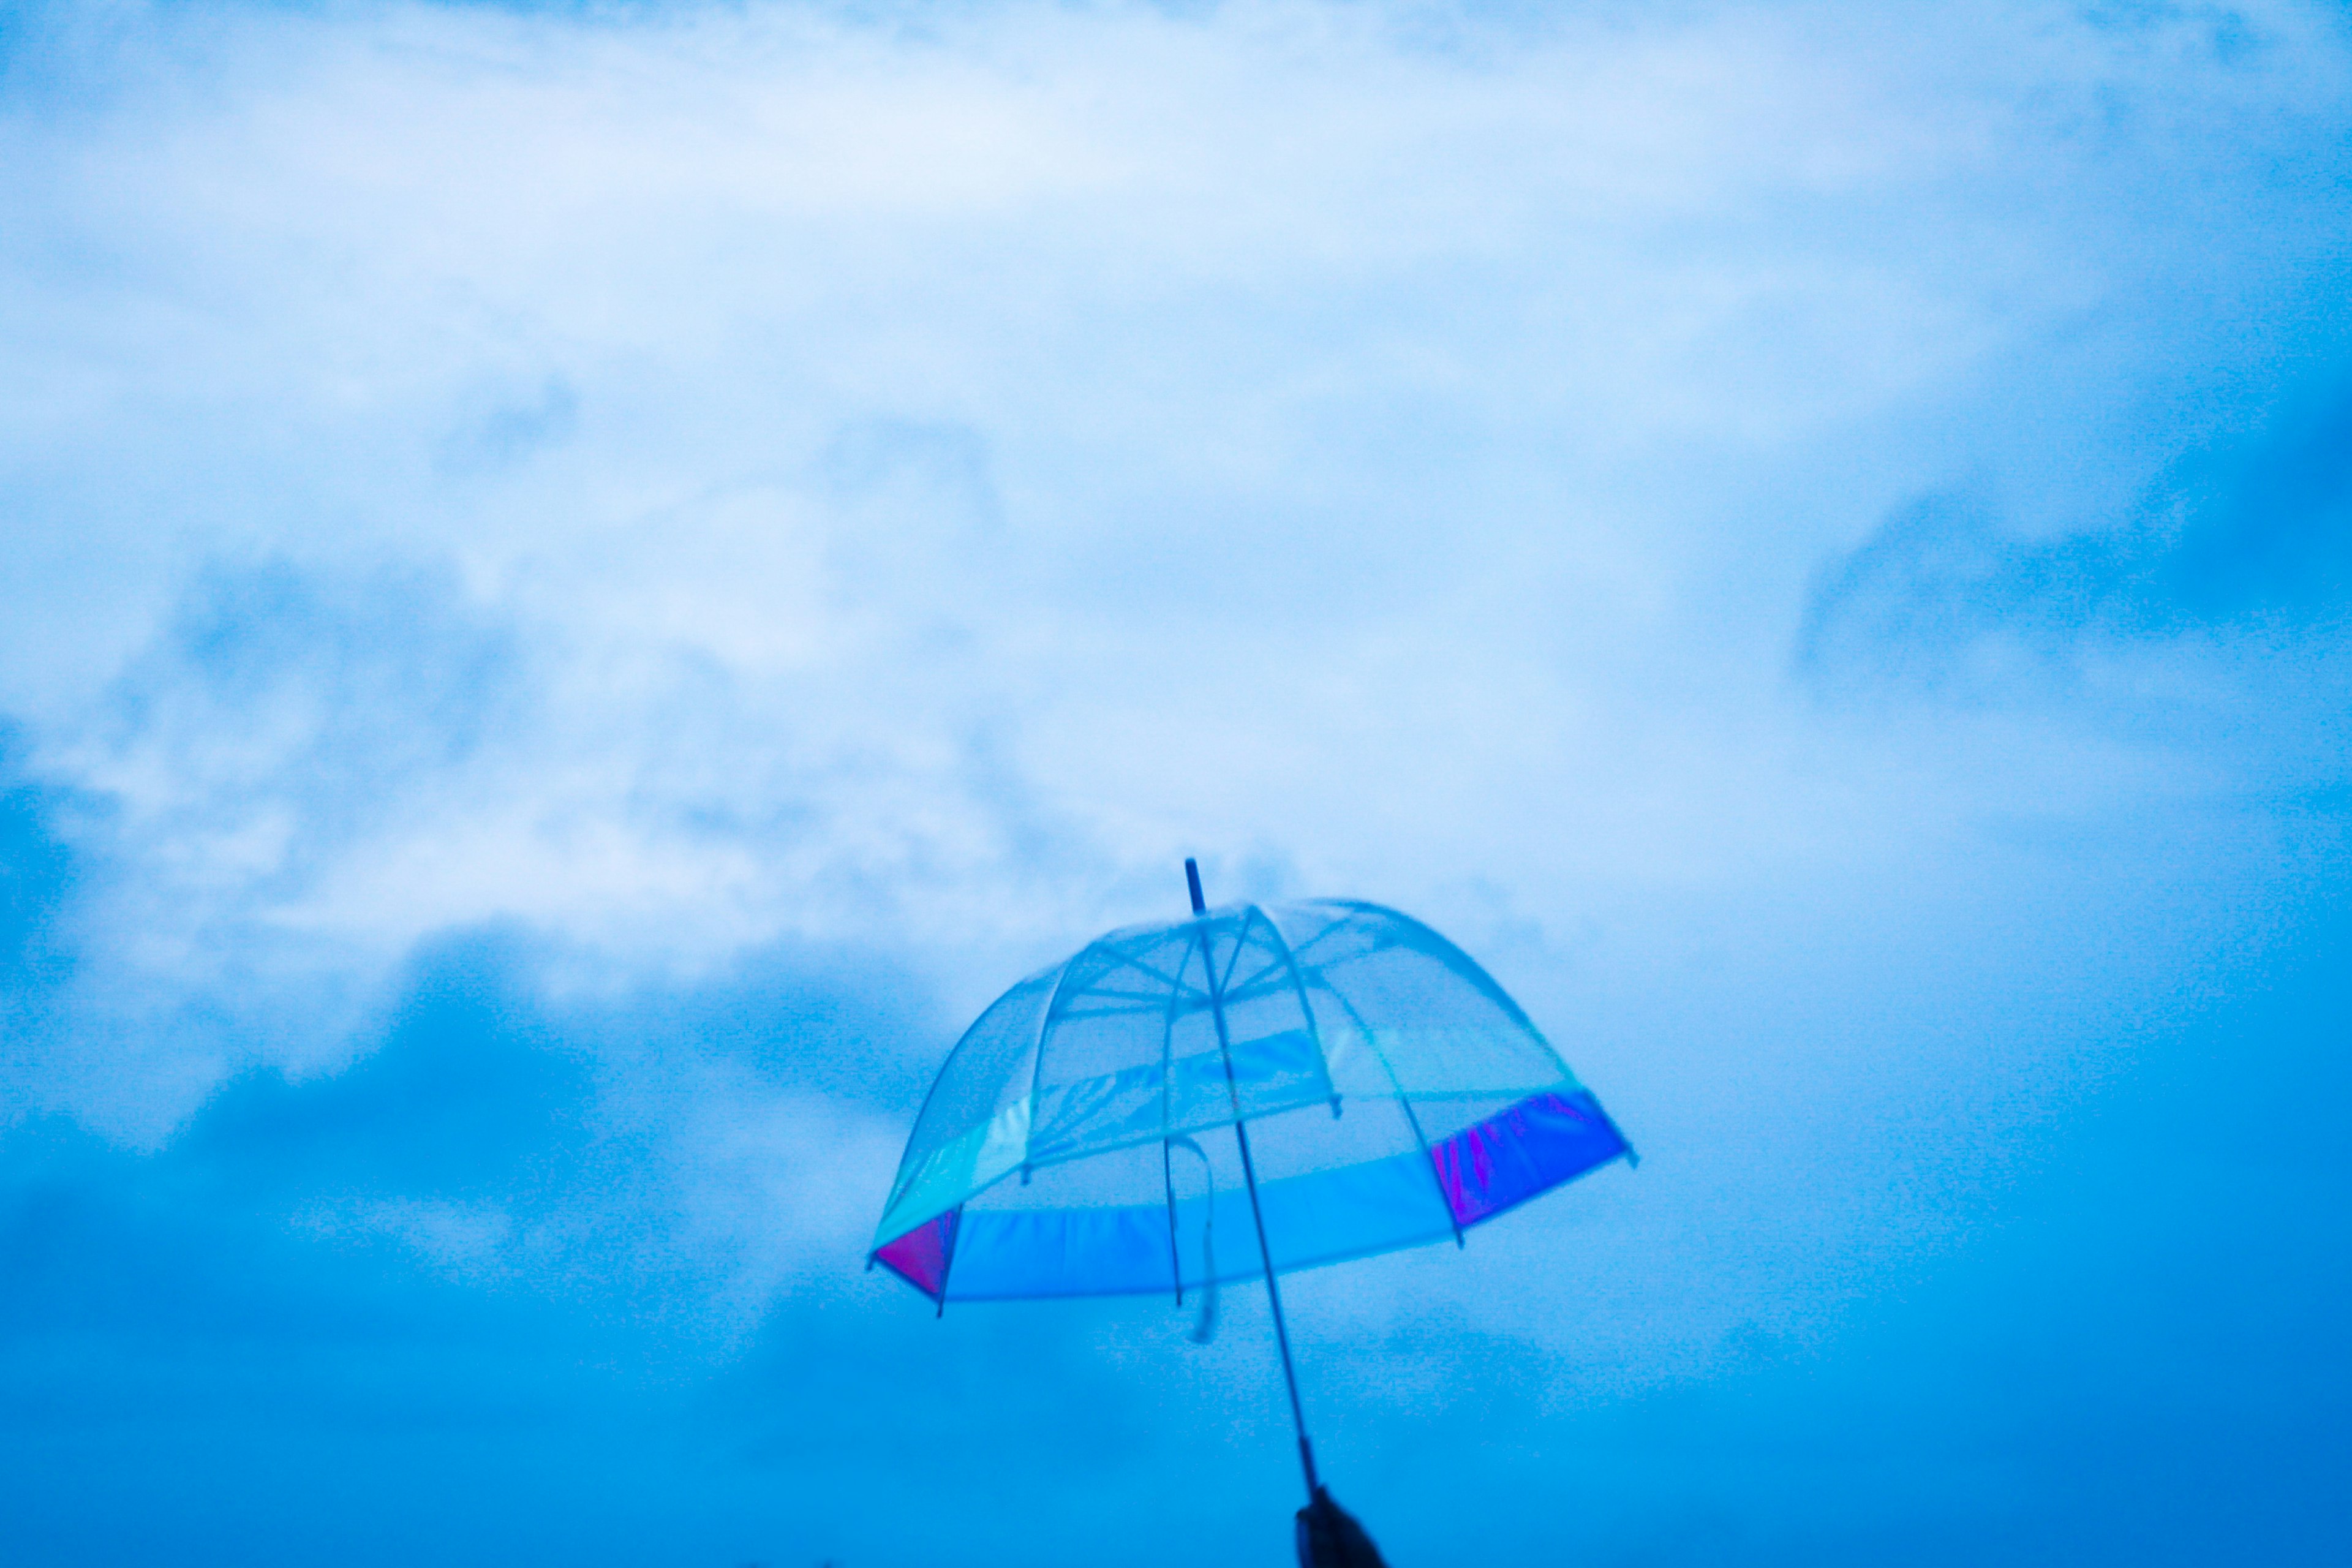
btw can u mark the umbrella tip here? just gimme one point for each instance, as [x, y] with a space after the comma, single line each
[1193, 882]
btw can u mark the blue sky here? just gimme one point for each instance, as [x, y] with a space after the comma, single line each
[585, 584]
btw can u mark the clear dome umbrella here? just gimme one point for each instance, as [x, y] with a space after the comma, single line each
[1381, 1091]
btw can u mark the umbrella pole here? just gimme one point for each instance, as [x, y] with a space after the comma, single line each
[1249, 1179]
[1281, 1333]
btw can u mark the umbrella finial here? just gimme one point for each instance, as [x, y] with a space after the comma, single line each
[1192, 881]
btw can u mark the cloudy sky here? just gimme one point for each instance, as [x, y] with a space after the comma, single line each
[583, 586]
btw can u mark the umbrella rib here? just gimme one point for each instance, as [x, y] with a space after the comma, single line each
[1242, 991]
[1166, 1119]
[1298, 984]
[1134, 962]
[1381, 943]
[1120, 996]
[1036, 1072]
[1106, 1012]
[1328, 931]
[1173, 982]
[899, 1183]
[1224, 985]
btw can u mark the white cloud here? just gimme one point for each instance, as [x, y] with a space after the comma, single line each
[910, 484]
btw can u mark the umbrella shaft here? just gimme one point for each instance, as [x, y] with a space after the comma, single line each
[1249, 1179]
[1273, 1291]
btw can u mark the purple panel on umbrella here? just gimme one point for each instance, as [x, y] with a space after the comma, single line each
[920, 1257]
[1521, 1151]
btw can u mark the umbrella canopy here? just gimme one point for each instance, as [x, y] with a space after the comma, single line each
[1383, 1092]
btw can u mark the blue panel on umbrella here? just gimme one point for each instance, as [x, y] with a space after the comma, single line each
[1327, 1217]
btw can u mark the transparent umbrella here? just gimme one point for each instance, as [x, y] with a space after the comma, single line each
[1382, 1092]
